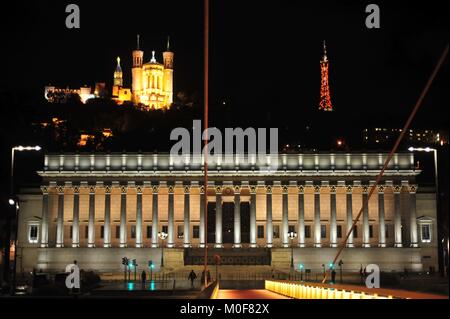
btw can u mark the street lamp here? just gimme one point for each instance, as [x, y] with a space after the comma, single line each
[436, 186]
[163, 237]
[14, 202]
[292, 235]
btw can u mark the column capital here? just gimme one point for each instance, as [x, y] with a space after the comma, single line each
[412, 188]
[381, 189]
[252, 189]
[365, 189]
[333, 189]
[301, 189]
[155, 189]
[397, 189]
[237, 189]
[349, 189]
[108, 189]
[186, 189]
[218, 190]
[60, 189]
[202, 189]
[317, 189]
[139, 189]
[123, 189]
[268, 189]
[91, 189]
[171, 189]
[44, 190]
[284, 189]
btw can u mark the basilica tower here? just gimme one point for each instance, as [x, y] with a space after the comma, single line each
[168, 74]
[136, 72]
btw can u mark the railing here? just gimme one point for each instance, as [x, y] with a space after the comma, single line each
[308, 290]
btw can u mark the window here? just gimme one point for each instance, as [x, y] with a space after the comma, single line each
[386, 231]
[71, 232]
[165, 229]
[276, 231]
[86, 231]
[339, 231]
[323, 231]
[149, 231]
[260, 231]
[117, 232]
[133, 231]
[196, 231]
[307, 231]
[33, 234]
[370, 231]
[355, 231]
[102, 232]
[291, 228]
[180, 231]
[425, 233]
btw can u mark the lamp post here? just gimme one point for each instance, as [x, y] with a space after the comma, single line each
[292, 235]
[13, 201]
[441, 255]
[163, 237]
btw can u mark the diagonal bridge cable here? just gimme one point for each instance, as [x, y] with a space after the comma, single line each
[391, 154]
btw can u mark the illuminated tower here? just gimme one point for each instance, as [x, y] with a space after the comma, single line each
[168, 74]
[136, 72]
[325, 98]
[118, 79]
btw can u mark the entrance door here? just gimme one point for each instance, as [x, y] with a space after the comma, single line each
[245, 222]
[211, 223]
[228, 222]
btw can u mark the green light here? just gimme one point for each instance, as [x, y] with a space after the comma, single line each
[300, 266]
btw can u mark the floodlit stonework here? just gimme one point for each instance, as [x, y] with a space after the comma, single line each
[97, 208]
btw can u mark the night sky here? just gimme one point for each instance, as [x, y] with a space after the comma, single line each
[264, 55]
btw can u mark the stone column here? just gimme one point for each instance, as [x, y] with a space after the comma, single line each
[155, 225]
[381, 218]
[170, 221]
[301, 216]
[366, 226]
[139, 216]
[123, 216]
[76, 218]
[252, 216]
[397, 217]
[349, 204]
[60, 218]
[218, 218]
[91, 221]
[269, 226]
[107, 224]
[187, 217]
[45, 217]
[202, 217]
[413, 215]
[333, 222]
[317, 233]
[237, 217]
[285, 216]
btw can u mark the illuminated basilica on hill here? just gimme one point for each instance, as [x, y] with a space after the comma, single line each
[152, 82]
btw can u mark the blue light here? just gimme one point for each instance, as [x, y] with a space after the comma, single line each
[152, 285]
[130, 286]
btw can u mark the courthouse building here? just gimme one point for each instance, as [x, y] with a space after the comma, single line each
[97, 208]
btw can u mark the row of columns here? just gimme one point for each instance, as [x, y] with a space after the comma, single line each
[350, 215]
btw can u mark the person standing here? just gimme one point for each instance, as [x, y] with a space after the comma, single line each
[143, 277]
[192, 276]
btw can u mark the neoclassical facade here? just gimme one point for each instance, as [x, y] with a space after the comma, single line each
[99, 203]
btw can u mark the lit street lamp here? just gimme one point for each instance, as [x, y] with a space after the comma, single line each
[436, 182]
[292, 235]
[13, 201]
[163, 237]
